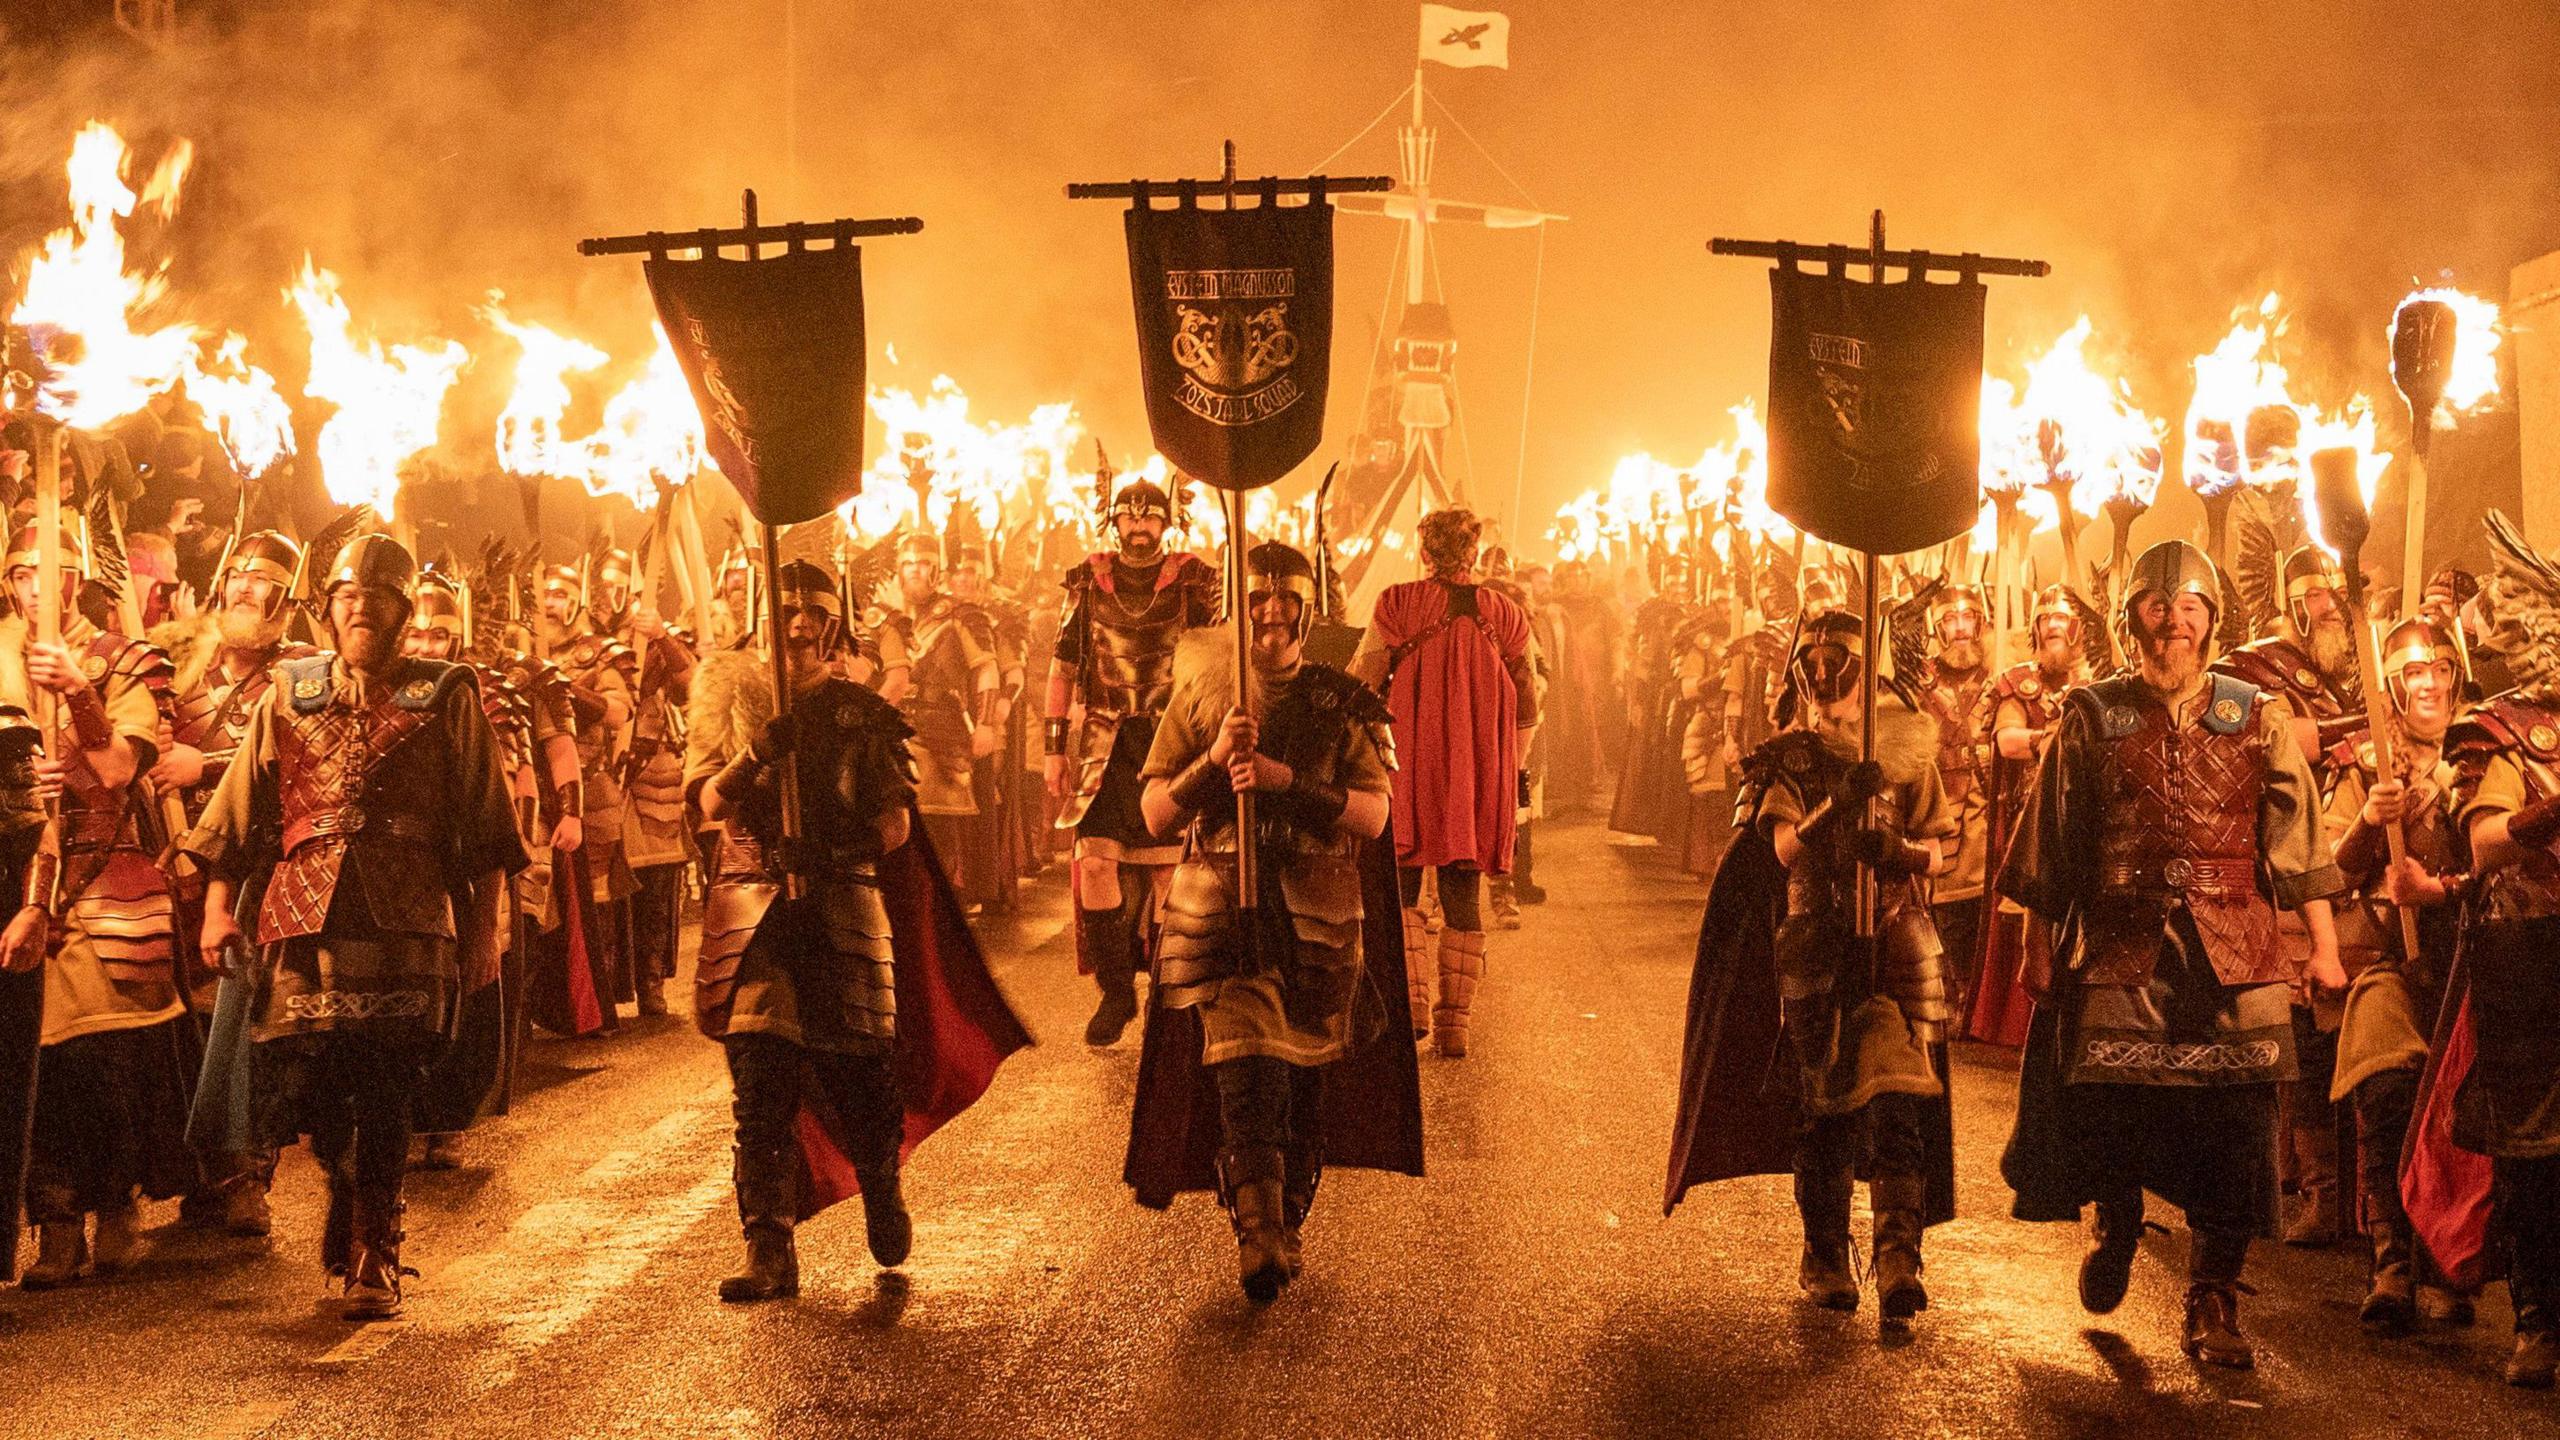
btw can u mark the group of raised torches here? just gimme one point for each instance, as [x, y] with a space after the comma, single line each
[1741, 641]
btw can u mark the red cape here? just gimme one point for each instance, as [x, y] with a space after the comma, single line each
[954, 1025]
[1372, 1097]
[2445, 1187]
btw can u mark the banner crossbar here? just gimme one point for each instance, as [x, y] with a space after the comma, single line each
[1841, 257]
[797, 235]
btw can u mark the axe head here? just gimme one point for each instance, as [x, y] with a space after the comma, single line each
[2343, 522]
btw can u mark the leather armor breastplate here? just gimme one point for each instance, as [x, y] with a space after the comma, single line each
[341, 773]
[2179, 806]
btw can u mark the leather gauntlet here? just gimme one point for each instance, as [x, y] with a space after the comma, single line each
[2537, 825]
[88, 714]
[44, 877]
[1201, 783]
[1053, 735]
[1313, 804]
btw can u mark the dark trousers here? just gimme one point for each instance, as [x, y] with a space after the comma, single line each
[656, 913]
[103, 1124]
[2525, 1201]
[2383, 1104]
[1461, 893]
[768, 1076]
[1959, 924]
[1882, 1139]
[1269, 1104]
[355, 1093]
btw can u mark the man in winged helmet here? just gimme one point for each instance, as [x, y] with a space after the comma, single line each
[2173, 812]
[600, 670]
[1126, 610]
[1860, 1021]
[368, 795]
[2024, 706]
[1956, 694]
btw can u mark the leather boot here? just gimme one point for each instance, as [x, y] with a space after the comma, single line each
[2318, 1221]
[338, 1228]
[2438, 1305]
[1302, 1170]
[1502, 902]
[885, 1222]
[1822, 1202]
[373, 1274]
[2106, 1271]
[62, 1247]
[1898, 1201]
[1107, 946]
[2535, 1360]
[1417, 972]
[652, 989]
[1249, 1179]
[2391, 1305]
[440, 1151]
[118, 1241]
[765, 1213]
[1461, 967]
[2213, 1303]
[244, 1206]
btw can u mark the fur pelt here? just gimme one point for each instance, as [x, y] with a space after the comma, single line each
[1906, 739]
[191, 645]
[2521, 599]
[732, 698]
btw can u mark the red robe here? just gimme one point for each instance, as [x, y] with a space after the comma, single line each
[1456, 712]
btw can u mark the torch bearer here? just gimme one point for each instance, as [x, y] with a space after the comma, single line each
[2342, 515]
[2422, 336]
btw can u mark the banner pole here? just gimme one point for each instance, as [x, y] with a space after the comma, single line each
[1240, 585]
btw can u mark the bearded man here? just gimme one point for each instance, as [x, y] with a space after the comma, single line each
[224, 660]
[2018, 722]
[1956, 694]
[369, 792]
[652, 771]
[2311, 662]
[2172, 812]
[599, 670]
[1126, 611]
[111, 1089]
[955, 689]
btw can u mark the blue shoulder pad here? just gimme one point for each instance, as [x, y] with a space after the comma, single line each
[426, 681]
[2234, 701]
[306, 682]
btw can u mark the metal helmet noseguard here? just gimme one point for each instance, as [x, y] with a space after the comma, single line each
[370, 561]
[2054, 602]
[1951, 600]
[266, 555]
[2171, 568]
[2309, 568]
[806, 585]
[439, 602]
[23, 551]
[1273, 567]
[1829, 657]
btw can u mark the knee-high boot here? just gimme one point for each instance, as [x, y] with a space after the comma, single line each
[762, 1175]
[1898, 1201]
[1249, 1180]
[1110, 946]
[2213, 1301]
[1822, 1203]
[373, 1275]
[1461, 968]
[1417, 971]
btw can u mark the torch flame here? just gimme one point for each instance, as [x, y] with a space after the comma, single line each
[79, 303]
[2473, 380]
[388, 401]
[529, 438]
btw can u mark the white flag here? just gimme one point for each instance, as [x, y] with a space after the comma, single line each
[1466, 39]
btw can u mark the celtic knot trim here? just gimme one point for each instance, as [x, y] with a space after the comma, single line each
[358, 1005]
[2166, 1055]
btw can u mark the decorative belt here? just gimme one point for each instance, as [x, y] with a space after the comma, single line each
[2223, 877]
[352, 819]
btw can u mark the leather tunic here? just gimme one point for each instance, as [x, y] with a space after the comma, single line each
[367, 786]
[2179, 812]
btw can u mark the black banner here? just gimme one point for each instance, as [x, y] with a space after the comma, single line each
[1235, 335]
[773, 351]
[1875, 395]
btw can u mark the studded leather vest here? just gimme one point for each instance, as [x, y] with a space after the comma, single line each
[2179, 810]
[1128, 634]
[1957, 706]
[369, 781]
[213, 716]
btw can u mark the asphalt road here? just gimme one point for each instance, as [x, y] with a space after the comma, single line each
[1530, 1285]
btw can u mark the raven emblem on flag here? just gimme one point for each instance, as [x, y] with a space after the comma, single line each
[1471, 36]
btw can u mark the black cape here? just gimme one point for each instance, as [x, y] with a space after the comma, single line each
[1372, 1096]
[1740, 1093]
